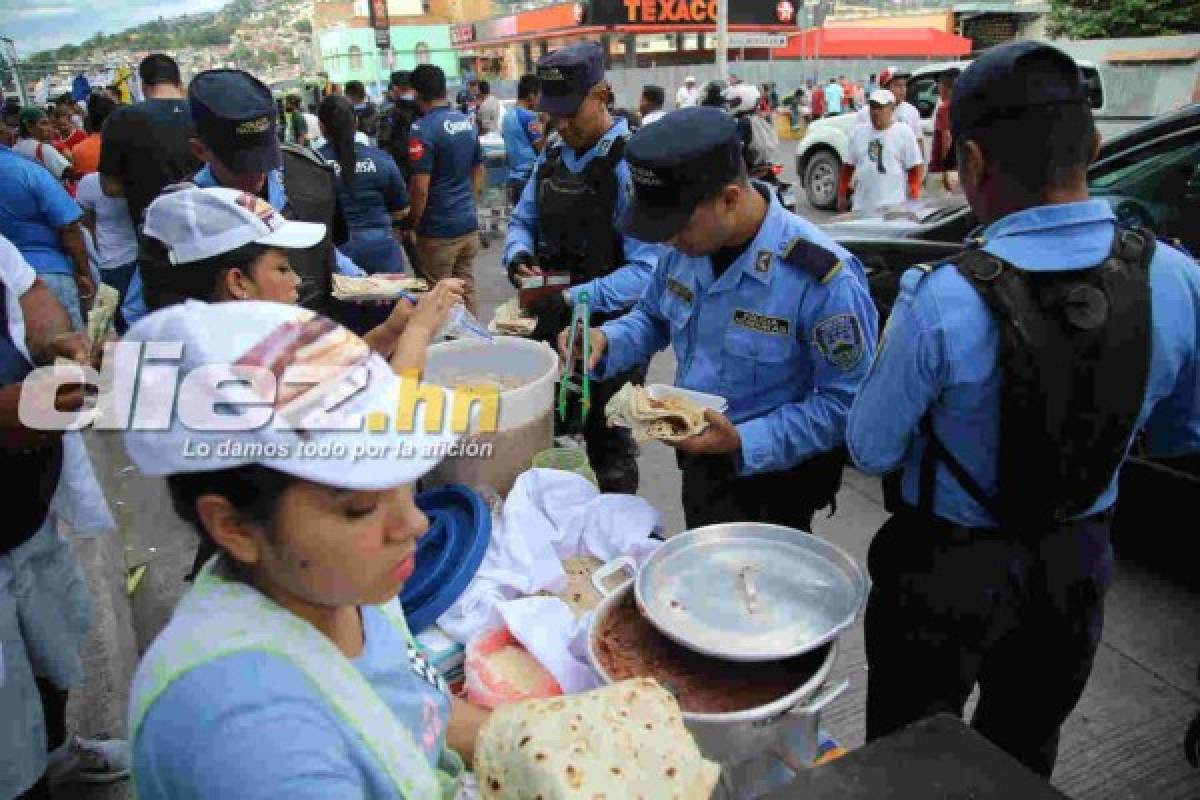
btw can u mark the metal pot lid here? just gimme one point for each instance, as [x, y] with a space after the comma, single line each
[750, 592]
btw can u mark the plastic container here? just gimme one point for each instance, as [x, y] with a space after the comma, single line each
[486, 686]
[492, 460]
[568, 459]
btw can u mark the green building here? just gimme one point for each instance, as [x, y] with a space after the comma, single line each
[350, 54]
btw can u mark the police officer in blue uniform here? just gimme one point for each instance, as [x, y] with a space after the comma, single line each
[1009, 385]
[568, 219]
[760, 307]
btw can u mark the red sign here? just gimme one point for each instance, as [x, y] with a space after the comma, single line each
[462, 34]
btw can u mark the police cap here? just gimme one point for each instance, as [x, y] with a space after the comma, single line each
[1011, 78]
[677, 163]
[236, 118]
[566, 76]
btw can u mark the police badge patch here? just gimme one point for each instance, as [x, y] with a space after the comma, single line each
[840, 340]
[762, 263]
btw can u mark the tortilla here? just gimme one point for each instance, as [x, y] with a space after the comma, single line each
[579, 594]
[510, 320]
[671, 419]
[375, 287]
[620, 742]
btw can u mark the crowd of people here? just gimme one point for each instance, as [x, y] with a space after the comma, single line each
[288, 668]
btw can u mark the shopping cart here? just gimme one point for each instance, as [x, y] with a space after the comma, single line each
[493, 206]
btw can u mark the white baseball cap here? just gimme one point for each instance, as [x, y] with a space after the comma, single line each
[690, 79]
[883, 97]
[223, 399]
[196, 224]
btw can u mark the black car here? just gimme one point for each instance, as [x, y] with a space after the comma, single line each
[1151, 177]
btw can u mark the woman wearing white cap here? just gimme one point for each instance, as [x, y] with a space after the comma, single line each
[221, 244]
[287, 669]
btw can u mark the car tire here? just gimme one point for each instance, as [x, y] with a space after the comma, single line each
[821, 179]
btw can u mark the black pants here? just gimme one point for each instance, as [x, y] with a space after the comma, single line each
[515, 190]
[608, 449]
[951, 607]
[54, 710]
[713, 492]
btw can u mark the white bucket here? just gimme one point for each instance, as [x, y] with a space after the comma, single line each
[525, 424]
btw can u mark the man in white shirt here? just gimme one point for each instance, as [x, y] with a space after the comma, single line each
[651, 104]
[115, 244]
[688, 95]
[896, 82]
[490, 111]
[885, 163]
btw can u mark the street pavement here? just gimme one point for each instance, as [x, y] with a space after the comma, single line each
[1123, 741]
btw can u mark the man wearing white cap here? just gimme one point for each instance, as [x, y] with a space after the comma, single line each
[884, 160]
[896, 82]
[688, 95]
[288, 669]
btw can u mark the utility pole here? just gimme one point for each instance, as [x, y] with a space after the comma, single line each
[722, 39]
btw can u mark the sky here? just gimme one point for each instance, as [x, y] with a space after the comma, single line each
[40, 24]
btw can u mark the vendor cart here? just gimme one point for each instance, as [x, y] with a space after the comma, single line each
[494, 207]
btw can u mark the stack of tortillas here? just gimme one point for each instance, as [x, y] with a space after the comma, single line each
[510, 320]
[671, 419]
[375, 287]
[621, 742]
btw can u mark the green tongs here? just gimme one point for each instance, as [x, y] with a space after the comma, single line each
[581, 317]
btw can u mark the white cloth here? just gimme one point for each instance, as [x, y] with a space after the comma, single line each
[881, 160]
[116, 243]
[906, 113]
[686, 97]
[44, 154]
[314, 127]
[489, 115]
[549, 516]
[652, 117]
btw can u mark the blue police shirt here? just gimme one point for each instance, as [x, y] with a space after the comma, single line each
[521, 132]
[444, 146]
[938, 356]
[378, 187]
[621, 288]
[33, 206]
[786, 350]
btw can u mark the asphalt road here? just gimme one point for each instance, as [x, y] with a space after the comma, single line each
[1123, 741]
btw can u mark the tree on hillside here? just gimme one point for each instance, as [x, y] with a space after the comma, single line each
[1104, 19]
[303, 26]
[242, 55]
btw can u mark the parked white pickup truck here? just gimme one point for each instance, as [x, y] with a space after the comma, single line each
[822, 151]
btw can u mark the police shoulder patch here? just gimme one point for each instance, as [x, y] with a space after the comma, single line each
[814, 259]
[840, 340]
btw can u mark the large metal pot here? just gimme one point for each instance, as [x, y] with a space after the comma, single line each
[736, 737]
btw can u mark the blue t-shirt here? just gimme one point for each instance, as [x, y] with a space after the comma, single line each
[33, 206]
[250, 725]
[444, 146]
[521, 132]
[378, 187]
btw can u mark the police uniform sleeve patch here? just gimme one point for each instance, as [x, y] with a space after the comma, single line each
[840, 340]
[814, 259]
[762, 262]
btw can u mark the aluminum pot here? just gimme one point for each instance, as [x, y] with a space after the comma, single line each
[734, 737]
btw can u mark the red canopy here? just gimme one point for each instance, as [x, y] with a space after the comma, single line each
[869, 42]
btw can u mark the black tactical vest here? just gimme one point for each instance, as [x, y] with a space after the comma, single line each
[575, 214]
[1074, 356]
[311, 188]
[31, 475]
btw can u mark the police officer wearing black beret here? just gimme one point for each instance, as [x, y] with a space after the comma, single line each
[1010, 384]
[760, 307]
